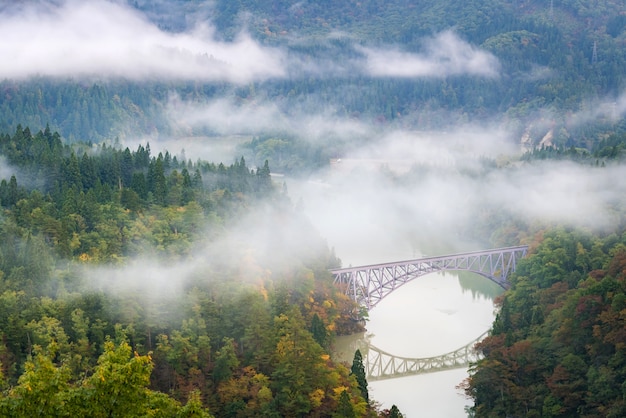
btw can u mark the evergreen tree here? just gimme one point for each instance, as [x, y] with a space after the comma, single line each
[225, 361]
[264, 179]
[127, 167]
[71, 173]
[394, 412]
[344, 407]
[140, 185]
[319, 331]
[157, 182]
[88, 173]
[358, 371]
[187, 194]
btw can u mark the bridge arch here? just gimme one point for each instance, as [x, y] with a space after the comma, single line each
[368, 285]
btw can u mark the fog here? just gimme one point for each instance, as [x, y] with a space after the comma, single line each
[109, 39]
[610, 110]
[264, 243]
[6, 171]
[412, 187]
[396, 190]
[401, 192]
[224, 116]
[438, 208]
[75, 38]
[445, 54]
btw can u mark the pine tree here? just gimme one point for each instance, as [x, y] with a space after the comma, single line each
[319, 330]
[264, 179]
[12, 195]
[71, 173]
[344, 407]
[358, 370]
[394, 412]
[225, 362]
[157, 183]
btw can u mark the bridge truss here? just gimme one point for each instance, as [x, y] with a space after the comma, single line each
[380, 365]
[368, 285]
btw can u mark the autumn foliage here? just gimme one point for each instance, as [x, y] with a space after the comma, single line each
[558, 345]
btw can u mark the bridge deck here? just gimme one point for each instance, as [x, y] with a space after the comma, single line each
[430, 258]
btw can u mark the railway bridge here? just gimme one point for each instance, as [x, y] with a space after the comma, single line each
[368, 285]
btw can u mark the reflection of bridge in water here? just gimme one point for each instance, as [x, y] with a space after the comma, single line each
[368, 285]
[380, 365]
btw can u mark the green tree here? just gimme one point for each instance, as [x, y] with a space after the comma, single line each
[139, 185]
[225, 361]
[71, 173]
[193, 408]
[358, 371]
[118, 386]
[264, 179]
[318, 329]
[12, 192]
[394, 412]
[157, 182]
[344, 406]
[41, 390]
[300, 371]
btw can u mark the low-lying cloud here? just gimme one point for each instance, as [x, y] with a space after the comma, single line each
[104, 38]
[109, 39]
[226, 116]
[609, 110]
[445, 55]
[461, 147]
[370, 217]
[5, 170]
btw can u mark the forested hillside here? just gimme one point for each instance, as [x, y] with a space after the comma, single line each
[557, 66]
[141, 281]
[557, 345]
[106, 249]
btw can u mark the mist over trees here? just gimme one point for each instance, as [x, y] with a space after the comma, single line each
[553, 68]
[145, 281]
[86, 268]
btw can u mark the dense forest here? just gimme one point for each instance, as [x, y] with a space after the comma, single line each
[557, 345]
[167, 284]
[559, 62]
[228, 334]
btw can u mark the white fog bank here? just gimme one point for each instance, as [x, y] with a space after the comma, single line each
[74, 38]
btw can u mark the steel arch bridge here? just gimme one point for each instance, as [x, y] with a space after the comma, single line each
[380, 365]
[368, 285]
